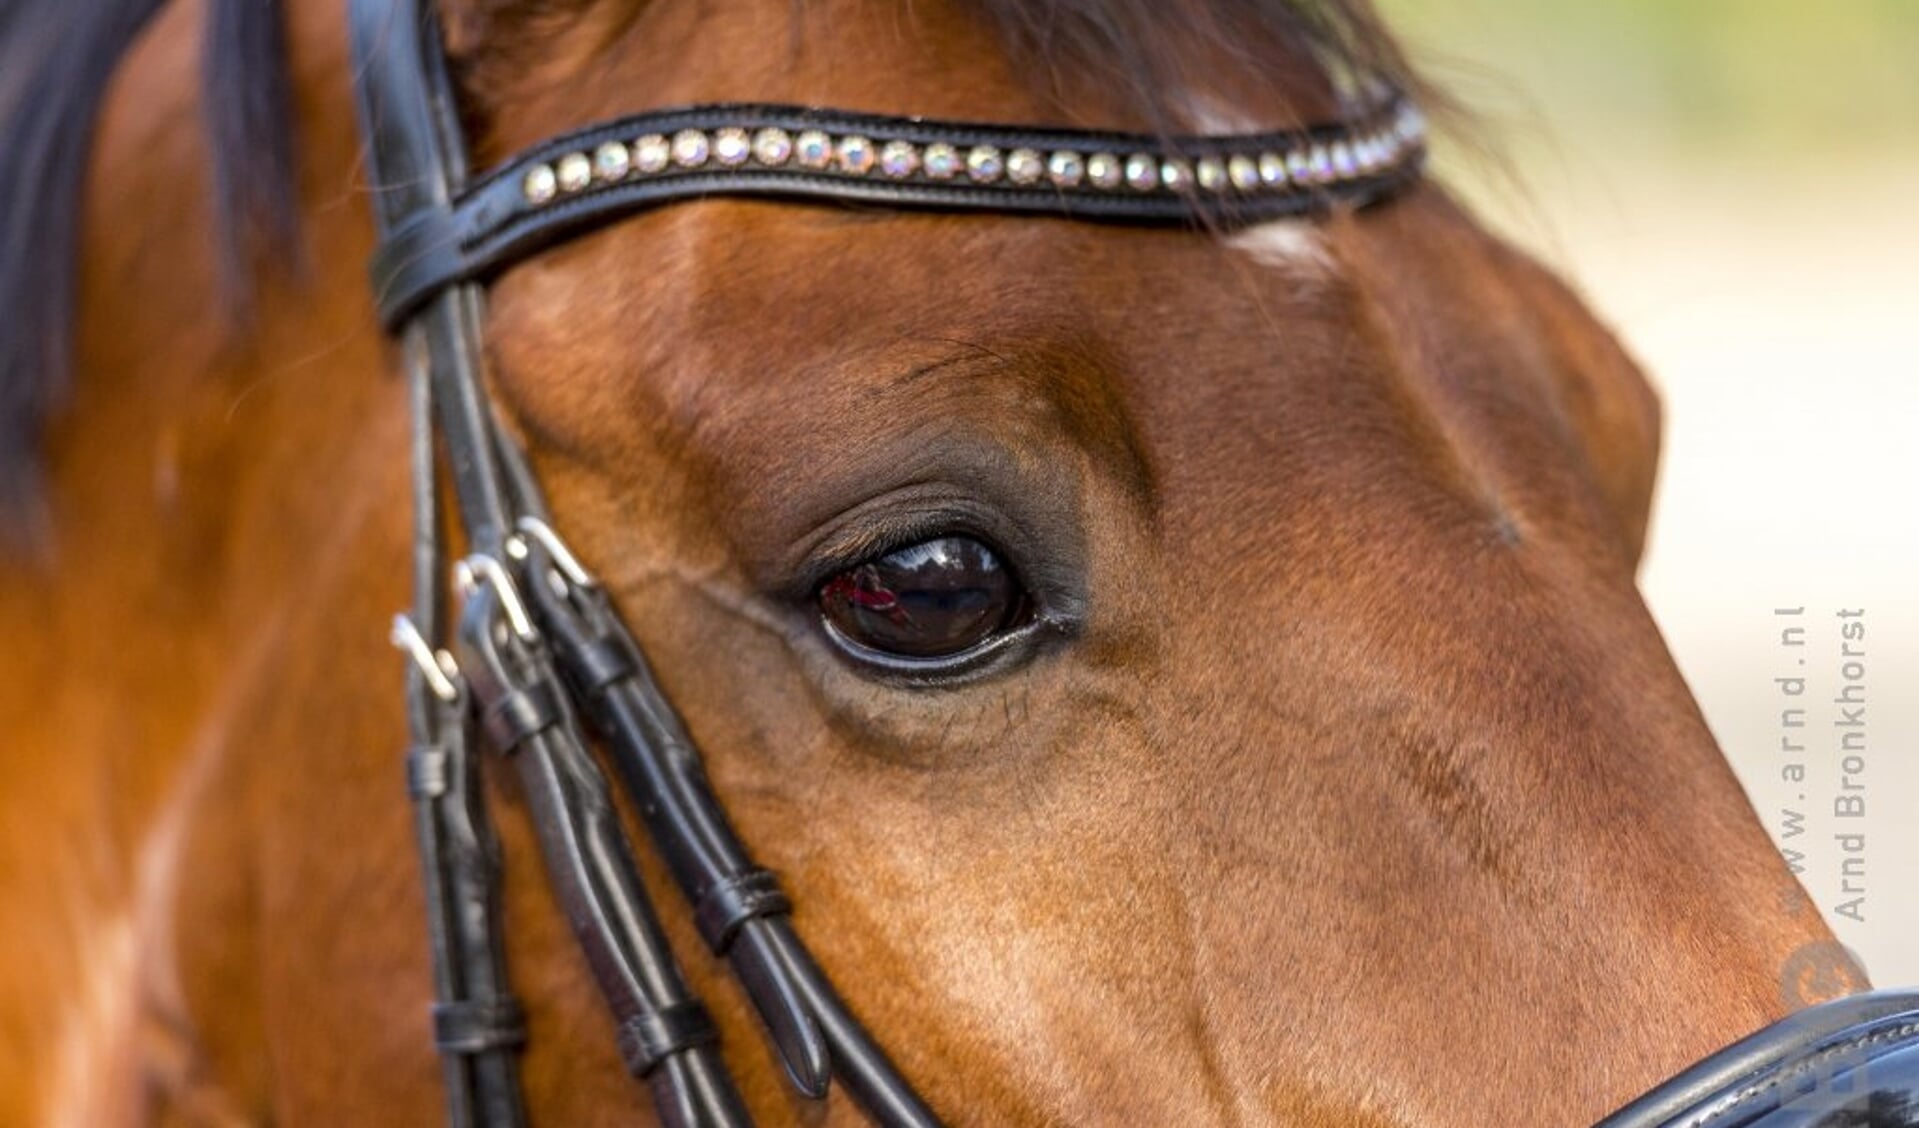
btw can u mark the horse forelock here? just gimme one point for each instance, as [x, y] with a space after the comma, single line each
[58, 60]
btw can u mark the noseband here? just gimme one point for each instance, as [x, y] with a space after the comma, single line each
[536, 656]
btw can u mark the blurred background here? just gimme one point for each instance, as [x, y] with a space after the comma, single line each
[1734, 184]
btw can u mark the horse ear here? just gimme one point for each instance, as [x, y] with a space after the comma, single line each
[1611, 410]
[1625, 428]
[1614, 410]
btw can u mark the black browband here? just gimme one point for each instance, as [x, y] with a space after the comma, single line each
[583, 180]
[542, 656]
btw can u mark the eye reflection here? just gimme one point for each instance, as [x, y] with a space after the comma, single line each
[929, 600]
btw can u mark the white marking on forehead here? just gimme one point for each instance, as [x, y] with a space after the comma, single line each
[1286, 244]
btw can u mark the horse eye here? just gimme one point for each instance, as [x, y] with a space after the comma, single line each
[934, 599]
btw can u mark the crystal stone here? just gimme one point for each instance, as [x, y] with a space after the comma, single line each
[1024, 166]
[1345, 166]
[1104, 170]
[610, 161]
[856, 154]
[813, 148]
[1210, 172]
[651, 153]
[1272, 170]
[772, 146]
[984, 164]
[1298, 167]
[1320, 165]
[1243, 171]
[690, 148]
[941, 161]
[1065, 168]
[540, 184]
[899, 159]
[1142, 172]
[731, 147]
[575, 172]
[1176, 175]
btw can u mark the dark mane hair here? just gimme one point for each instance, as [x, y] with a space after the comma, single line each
[1155, 49]
[57, 58]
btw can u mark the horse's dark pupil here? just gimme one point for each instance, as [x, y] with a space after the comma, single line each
[929, 600]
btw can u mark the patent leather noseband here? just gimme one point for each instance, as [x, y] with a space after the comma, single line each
[535, 657]
[1850, 1063]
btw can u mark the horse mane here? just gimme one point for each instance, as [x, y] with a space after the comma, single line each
[57, 58]
[1155, 51]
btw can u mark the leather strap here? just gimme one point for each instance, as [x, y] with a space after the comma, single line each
[426, 771]
[497, 221]
[734, 900]
[1823, 1044]
[738, 906]
[600, 663]
[648, 1039]
[521, 713]
[478, 1025]
[417, 161]
[588, 863]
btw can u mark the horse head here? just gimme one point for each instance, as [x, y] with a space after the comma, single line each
[1179, 673]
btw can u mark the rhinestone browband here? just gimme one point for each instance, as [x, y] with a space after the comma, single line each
[586, 178]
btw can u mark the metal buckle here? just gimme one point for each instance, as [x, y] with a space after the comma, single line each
[564, 561]
[441, 672]
[480, 569]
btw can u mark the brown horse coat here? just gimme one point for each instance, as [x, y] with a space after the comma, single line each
[1363, 791]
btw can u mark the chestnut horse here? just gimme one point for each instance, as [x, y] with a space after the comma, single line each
[1365, 792]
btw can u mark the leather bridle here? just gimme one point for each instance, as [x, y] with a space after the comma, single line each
[537, 656]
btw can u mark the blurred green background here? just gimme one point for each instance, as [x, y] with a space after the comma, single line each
[1787, 104]
[1775, 79]
[1734, 184]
